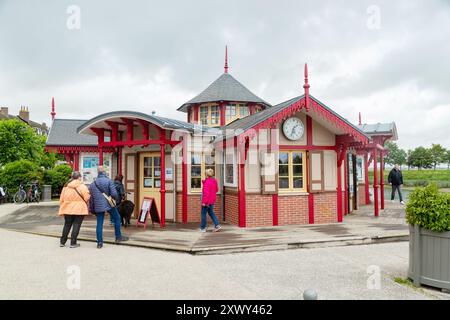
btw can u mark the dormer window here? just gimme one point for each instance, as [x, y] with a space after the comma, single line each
[209, 114]
[235, 111]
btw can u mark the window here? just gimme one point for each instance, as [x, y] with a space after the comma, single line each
[230, 167]
[291, 171]
[235, 111]
[204, 114]
[230, 113]
[215, 115]
[199, 164]
[152, 172]
[243, 111]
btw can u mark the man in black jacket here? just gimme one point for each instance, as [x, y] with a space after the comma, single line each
[396, 181]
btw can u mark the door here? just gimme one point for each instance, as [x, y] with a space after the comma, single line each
[150, 178]
[130, 179]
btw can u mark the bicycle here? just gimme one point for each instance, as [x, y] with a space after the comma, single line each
[33, 194]
[4, 195]
[20, 195]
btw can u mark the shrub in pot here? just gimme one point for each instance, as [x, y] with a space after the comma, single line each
[428, 214]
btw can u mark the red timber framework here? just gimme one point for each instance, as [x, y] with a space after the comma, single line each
[349, 137]
[72, 153]
[121, 132]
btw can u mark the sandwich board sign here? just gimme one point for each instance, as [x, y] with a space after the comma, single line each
[148, 209]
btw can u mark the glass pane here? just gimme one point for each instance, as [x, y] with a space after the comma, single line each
[157, 161]
[157, 171]
[298, 170]
[196, 159]
[283, 183]
[298, 183]
[283, 158]
[283, 170]
[196, 183]
[297, 158]
[229, 173]
[148, 172]
[148, 182]
[243, 112]
[147, 161]
[157, 183]
[196, 171]
[209, 159]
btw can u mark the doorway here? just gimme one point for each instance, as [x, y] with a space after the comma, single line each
[150, 177]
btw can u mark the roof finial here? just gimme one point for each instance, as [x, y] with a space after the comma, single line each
[226, 59]
[306, 87]
[360, 123]
[53, 113]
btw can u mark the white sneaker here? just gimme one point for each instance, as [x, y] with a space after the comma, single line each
[203, 230]
[402, 202]
[217, 228]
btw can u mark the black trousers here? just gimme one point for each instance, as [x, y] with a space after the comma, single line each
[396, 187]
[71, 222]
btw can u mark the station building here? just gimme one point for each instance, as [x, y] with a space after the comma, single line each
[296, 162]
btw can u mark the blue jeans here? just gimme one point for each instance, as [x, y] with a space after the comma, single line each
[208, 210]
[116, 219]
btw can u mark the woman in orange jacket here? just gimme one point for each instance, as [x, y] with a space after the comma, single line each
[73, 206]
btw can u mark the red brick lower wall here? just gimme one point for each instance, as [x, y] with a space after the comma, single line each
[362, 194]
[293, 210]
[231, 208]
[195, 207]
[325, 207]
[258, 210]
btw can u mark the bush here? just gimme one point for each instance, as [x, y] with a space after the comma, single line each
[19, 171]
[57, 177]
[429, 209]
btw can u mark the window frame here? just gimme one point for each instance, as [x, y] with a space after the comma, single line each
[290, 175]
[203, 167]
[234, 165]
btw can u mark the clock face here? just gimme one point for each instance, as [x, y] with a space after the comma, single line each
[293, 128]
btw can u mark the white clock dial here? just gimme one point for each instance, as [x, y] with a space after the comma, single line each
[293, 128]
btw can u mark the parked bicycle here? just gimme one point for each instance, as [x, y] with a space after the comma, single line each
[20, 195]
[3, 194]
[33, 194]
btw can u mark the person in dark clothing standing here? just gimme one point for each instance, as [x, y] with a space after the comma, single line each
[99, 205]
[395, 179]
[120, 188]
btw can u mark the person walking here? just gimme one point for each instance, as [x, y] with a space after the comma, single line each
[73, 206]
[209, 192]
[395, 179]
[100, 189]
[120, 188]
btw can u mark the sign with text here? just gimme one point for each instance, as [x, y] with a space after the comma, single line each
[148, 209]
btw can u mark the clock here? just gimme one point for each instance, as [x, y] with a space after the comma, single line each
[293, 128]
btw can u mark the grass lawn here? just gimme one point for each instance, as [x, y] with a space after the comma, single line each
[414, 177]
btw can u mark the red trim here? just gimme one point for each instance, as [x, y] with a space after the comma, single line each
[311, 208]
[114, 130]
[241, 192]
[309, 131]
[163, 185]
[222, 107]
[68, 160]
[184, 181]
[288, 147]
[275, 209]
[375, 182]
[130, 129]
[366, 178]
[144, 127]
[100, 132]
[74, 149]
[196, 113]
[119, 161]
[137, 142]
[76, 161]
[100, 156]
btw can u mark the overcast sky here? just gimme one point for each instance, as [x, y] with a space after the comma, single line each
[389, 60]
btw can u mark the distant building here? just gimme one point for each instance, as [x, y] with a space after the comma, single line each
[24, 115]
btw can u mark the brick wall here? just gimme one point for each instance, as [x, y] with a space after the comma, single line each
[362, 194]
[195, 207]
[259, 210]
[231, 208]
[292, 210]
[325, 209]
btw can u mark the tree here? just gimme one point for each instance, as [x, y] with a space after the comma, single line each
[409, 159]
[447, 159]
[421, 158]
[21, 171]
[438, 154]
[395, 154]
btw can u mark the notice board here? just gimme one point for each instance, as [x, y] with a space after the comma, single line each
[148, 209]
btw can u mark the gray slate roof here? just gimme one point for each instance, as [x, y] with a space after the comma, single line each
[379, 129]
[63, 132]
[252, 120]
[225, 88]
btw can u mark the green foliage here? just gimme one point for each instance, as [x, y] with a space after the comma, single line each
[395, 155]
[429, 209]
[19, 141]
[438, 154]
[57, 177]
[25, 171]
[421, 158]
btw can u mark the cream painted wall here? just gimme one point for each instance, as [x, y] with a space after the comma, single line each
[330, 170]
[321, 136]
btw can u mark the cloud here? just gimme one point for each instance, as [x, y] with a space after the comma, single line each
[156, 55]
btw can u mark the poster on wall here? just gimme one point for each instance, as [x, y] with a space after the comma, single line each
[90, 165]
[359, 168]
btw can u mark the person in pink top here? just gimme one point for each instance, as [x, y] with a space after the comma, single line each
[209, 191]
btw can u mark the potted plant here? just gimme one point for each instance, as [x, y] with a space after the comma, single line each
[428, 214]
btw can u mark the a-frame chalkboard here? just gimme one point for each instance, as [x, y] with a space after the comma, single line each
[148, 209]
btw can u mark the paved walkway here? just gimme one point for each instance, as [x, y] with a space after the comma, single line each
[358, 228]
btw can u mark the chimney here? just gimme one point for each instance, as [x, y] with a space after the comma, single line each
[4, 111]
[24, 113]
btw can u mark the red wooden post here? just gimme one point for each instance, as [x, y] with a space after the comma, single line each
[184, 181]
[100, 156]
[163, 185]
[339, 191]
[309, 142]
[375, 182]
[222, 107]
[76, 161]
[69, 162]
[241, 192]
[381, 180]
[196, 107]
[119, 160]
[366, 178]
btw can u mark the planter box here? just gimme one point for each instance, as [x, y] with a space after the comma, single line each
[429, 257]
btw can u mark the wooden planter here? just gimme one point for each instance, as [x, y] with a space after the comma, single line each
[429, 257]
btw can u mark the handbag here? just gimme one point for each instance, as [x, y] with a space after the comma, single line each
[111, 201]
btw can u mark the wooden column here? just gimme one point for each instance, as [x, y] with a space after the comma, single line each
[100, 156]
[184, 184]
[119, 160]
[241, 191]
[76, 161]
[375, 182]
[381, 180]
[309, 142]
[339, 191]
[222, 107]
[163, 184]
